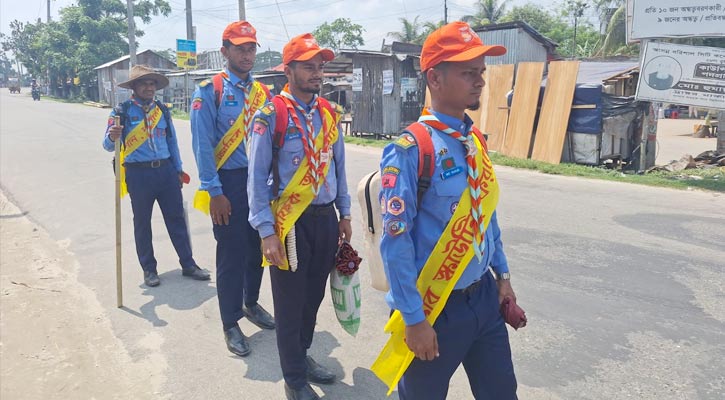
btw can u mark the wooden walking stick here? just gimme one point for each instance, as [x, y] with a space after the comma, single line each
[117, 170]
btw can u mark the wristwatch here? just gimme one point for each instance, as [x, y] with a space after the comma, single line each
[347, 217]
[503, 276]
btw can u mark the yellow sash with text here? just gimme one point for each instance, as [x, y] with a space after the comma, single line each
[298, 194]
[231, 140]
[445, 265]
[138, 136]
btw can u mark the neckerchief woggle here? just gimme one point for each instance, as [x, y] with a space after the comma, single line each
[445, 265]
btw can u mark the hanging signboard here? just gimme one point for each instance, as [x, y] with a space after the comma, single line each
[681, 74]
[409, 90]
[387, 81]
[186, 54]
[357, 79]
[670, 18]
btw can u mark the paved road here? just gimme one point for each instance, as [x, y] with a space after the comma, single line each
[623, 284]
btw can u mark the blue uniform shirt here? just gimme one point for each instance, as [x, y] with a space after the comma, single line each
[290, 157]
[161, 145]
[208, 126]
[411, 230]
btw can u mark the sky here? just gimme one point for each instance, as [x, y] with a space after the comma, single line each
[378, 17]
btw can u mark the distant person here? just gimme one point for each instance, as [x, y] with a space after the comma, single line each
[457, 211]
[152, 168]
[221, 115]
[297, 147]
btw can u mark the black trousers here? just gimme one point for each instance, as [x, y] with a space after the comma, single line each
[238, 251]
[297, 295]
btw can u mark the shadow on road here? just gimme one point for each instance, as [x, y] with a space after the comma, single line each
[176, 291]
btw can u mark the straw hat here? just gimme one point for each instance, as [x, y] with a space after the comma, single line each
[139, 72]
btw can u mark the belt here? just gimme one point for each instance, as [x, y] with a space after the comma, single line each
[320, 209]
[468, 289]
[147, 164]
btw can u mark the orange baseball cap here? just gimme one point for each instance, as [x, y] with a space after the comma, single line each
[240, 32]
[454, 42]
[303, 48]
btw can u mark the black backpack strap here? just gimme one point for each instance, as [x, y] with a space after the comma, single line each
[167, 116]
[368, 202]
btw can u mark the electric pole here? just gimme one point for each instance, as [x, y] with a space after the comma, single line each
[48, 20]
[189, 29]
[131, 34]
[445, 11]
[242, 12]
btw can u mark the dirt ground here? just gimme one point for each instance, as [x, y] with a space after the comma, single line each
[674, 140]
[55, 340]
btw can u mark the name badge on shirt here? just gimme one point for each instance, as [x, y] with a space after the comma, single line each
[292, 135]
[451, 172]
[231, 103]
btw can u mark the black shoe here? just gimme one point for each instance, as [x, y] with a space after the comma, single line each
[196, 273]
[151, 278]
[316, 373]
[259, 316]
[303, 393]
[236, 341]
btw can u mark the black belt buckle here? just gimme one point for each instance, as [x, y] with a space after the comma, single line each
[155, 163]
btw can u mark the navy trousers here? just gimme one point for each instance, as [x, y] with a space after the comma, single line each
[297, 295]
[471, 331]
[238, 251]
[149, 185]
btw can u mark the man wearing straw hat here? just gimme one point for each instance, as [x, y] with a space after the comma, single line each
[151, 170]
[441, 245]
[296, 144]
[221, 116]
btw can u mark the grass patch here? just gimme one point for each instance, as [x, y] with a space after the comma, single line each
[179, 114]
[706, 179]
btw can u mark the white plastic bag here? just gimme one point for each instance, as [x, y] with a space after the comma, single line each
[346, 297]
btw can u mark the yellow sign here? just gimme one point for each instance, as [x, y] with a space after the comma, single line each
[186, 54]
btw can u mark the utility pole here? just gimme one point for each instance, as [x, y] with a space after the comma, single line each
[48, 20]
[131, 34]
[189, 29]
[445, 11]
[242, 12]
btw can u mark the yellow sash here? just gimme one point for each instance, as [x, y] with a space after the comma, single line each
[138, 136]
[231, 140]
[298, 194]
[440, 273]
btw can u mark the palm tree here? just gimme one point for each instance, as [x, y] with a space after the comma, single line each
[410, 32]
[487, 12]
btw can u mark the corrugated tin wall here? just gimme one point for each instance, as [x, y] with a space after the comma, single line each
[375, 112]
[519, 45]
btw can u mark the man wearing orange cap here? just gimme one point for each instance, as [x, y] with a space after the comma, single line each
[222, 110]
[296, 145]
[440, 223]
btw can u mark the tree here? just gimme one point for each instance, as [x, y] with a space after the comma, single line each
[341, 33]
[410, 32]
[487, 12]
[267, 60]
[87, 34]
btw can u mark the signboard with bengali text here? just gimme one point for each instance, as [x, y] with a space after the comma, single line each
[186, 54]
[675, 18]
[681, 74]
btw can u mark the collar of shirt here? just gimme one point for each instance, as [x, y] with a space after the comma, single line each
[461, 126]
[306, 106]
[234, 79]
[141, 103]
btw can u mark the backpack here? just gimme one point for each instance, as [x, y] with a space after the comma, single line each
[280, 130]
